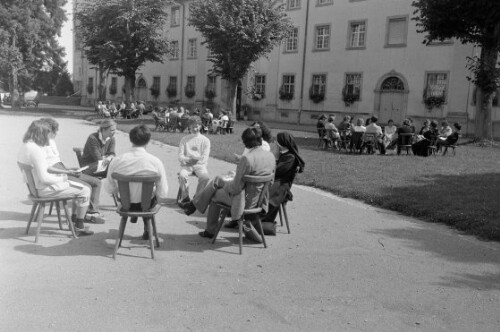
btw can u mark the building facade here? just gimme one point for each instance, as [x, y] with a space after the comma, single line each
[347, 57]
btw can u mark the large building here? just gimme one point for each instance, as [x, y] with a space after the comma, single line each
[356, 57]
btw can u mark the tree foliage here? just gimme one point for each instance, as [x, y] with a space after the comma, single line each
[122, 35]
[237, 33]
[474, 22]
[28, 43]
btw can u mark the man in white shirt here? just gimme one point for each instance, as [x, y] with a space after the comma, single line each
[138, 162]
[193, 153]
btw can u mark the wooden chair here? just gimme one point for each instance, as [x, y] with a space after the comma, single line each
[369, 142]
[265, 181]
[356, 141]
[345, 139]
[405, 141]
[229, 127]
[38, 208]
[432, 148]
[451, 146]
[183, 188]
[147, 213]
[182, 124]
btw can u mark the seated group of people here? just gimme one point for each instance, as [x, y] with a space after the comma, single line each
[53, 179]
[110, 110]
[389, 136]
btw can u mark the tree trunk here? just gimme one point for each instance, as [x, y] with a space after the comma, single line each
[484, 98]
[102, 83]
[14, 92]
[129, 87]
[231, 97]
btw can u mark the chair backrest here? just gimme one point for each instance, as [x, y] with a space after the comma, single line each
[254, 180]
[27, 171]
[405, 138]
[148, 183]
[79, 153]
[369, 138]
[357, 138]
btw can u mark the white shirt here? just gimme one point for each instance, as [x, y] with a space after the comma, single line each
[265, 147]
[137, 162]
[194, 145]
[34, 155]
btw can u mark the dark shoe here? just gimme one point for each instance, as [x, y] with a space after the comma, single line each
[232, 224]
[133, 220]
[189, 208]
[206, 234]
[251, 233]
[83, 231]
[183, 202]
[145, 235]
[269, 228]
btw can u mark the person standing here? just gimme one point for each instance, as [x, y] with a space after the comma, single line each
[193, 153]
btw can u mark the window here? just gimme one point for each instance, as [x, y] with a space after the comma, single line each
[397, 28]
[156, 83]
[357, 34]
[114, 83]
[437, 84]
[324, 2]
[174, 45]
[288, 83]
[192, 53]
[293, 4]
[292, 40]
[322, 37]
[352, 84]
[90, 85]
[141, 84]
[260, 85]
[211, 82]
[172, 86]
[191, 81]
[176, 16]
[319, 84]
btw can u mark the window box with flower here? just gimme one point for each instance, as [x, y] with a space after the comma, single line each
[189, 91]
[349, 97]
[155, 92]
[432, 101]
[285, 94]
[209, 92]
[171, 91]
[315, 95]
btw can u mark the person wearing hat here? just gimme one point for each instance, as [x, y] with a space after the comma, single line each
[193, 153]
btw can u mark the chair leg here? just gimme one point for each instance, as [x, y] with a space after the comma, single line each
[261, 231]
[151, 241]
[41, 212]
[34, 212]
[68, 219]
[281, 215]
[50, 209]
[114, 199]
[222, 217]
[153, 220]
[121, 230]
[58, 210]
[240, 233]
[286, 217]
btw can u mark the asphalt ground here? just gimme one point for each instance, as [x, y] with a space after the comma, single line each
[345, 266]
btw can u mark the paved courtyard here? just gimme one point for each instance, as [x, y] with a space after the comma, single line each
[345, 266]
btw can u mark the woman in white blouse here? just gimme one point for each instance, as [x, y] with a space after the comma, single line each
[49, 185]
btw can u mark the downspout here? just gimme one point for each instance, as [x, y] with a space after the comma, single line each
[468, 96]
[183, 27]
[301, 100]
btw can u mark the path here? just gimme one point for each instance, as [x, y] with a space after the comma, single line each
[345, 267]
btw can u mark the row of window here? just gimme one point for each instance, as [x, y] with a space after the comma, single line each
[436, 84]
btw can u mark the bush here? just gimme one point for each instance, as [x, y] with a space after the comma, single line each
[155, 92]
[209, 92]
[316, 97]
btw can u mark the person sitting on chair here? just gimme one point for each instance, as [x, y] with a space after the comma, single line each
[48, 185]
[451, 139]
[421, 148]
[374, 128]
[57, 167]
[230, 191]
[390, 136]
[99, 149]
[404, 129]
[332, 133]
[138, 162]
[193, 153]
[287, 165]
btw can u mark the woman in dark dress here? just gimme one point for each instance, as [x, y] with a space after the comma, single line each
[421, 148]
[288, 164]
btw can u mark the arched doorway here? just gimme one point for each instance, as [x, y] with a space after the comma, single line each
[142, 89]
[393, 99]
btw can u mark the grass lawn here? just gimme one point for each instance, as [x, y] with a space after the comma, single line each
[462, 190]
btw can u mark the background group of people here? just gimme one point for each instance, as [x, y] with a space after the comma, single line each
[389, 136]
[54, 179]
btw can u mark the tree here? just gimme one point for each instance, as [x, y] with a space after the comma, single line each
[476, 22]
[64, 86]
[122, 35]
[28, 31]
[238, 33]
